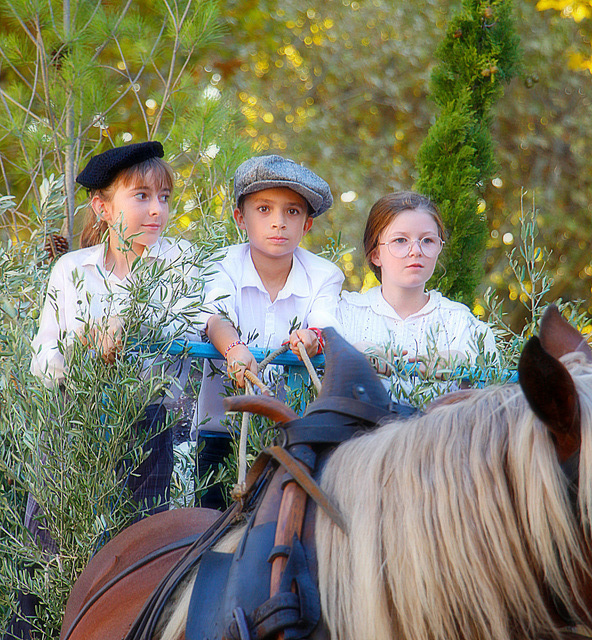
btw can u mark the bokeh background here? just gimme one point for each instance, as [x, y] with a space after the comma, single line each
[340, 85]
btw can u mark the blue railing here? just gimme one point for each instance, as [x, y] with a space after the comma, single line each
[208, 351]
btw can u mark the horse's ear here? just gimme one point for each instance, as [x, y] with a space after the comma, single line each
[551, 394]
[558, 337]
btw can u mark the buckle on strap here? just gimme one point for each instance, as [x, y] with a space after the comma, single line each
[293, 613]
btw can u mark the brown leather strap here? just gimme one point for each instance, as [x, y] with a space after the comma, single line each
[305, 480]
[289, 525]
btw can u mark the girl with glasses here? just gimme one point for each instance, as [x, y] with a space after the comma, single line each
[403, 239]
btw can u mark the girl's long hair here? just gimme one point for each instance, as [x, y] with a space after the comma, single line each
[154, 169]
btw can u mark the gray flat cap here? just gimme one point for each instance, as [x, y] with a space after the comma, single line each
[268, 172]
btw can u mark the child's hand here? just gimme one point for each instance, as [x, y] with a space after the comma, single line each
[238, 360]
[106, 338]
[309, 340]
[378, 357]
[441, 364]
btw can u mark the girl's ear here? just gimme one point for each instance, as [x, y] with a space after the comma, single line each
[375, 258]
[239, 218]
[99, 208]
[307, 224]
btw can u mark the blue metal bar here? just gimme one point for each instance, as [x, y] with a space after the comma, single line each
[207, 350]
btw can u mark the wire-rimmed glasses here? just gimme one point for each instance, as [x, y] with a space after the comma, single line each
[400, 247]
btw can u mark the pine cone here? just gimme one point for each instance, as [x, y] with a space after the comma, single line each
[55, 246]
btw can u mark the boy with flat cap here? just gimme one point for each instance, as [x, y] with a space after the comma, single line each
[264, 287]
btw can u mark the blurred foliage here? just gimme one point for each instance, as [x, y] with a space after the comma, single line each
[541, 148]
[580, 11]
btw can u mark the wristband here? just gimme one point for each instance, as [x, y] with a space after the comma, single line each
[233, 344]
[319, 336]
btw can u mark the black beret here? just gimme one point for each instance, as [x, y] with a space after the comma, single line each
[102, 169]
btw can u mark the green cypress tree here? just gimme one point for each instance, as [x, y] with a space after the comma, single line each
[479, 53]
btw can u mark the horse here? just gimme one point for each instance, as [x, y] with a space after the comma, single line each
[470, 521]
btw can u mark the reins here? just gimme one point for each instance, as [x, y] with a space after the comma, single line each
[251, 381]
[308, 364]
[251, 378]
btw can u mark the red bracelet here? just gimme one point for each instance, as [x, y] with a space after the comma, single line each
[233, 344]
[319, 336]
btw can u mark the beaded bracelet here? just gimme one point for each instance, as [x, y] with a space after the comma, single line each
[233, 344]
[319, 336]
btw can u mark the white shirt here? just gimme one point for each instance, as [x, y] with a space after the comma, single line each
[441, 325]
[308, 299]
[82, 291]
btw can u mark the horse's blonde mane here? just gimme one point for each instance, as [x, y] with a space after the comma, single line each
[454, 518]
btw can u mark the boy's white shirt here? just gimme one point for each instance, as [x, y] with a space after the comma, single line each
[81, 289]
[309, 296]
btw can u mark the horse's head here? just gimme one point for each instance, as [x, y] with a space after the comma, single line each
[547, 384]
[473, 528]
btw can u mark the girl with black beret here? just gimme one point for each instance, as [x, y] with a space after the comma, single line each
[129, 189]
